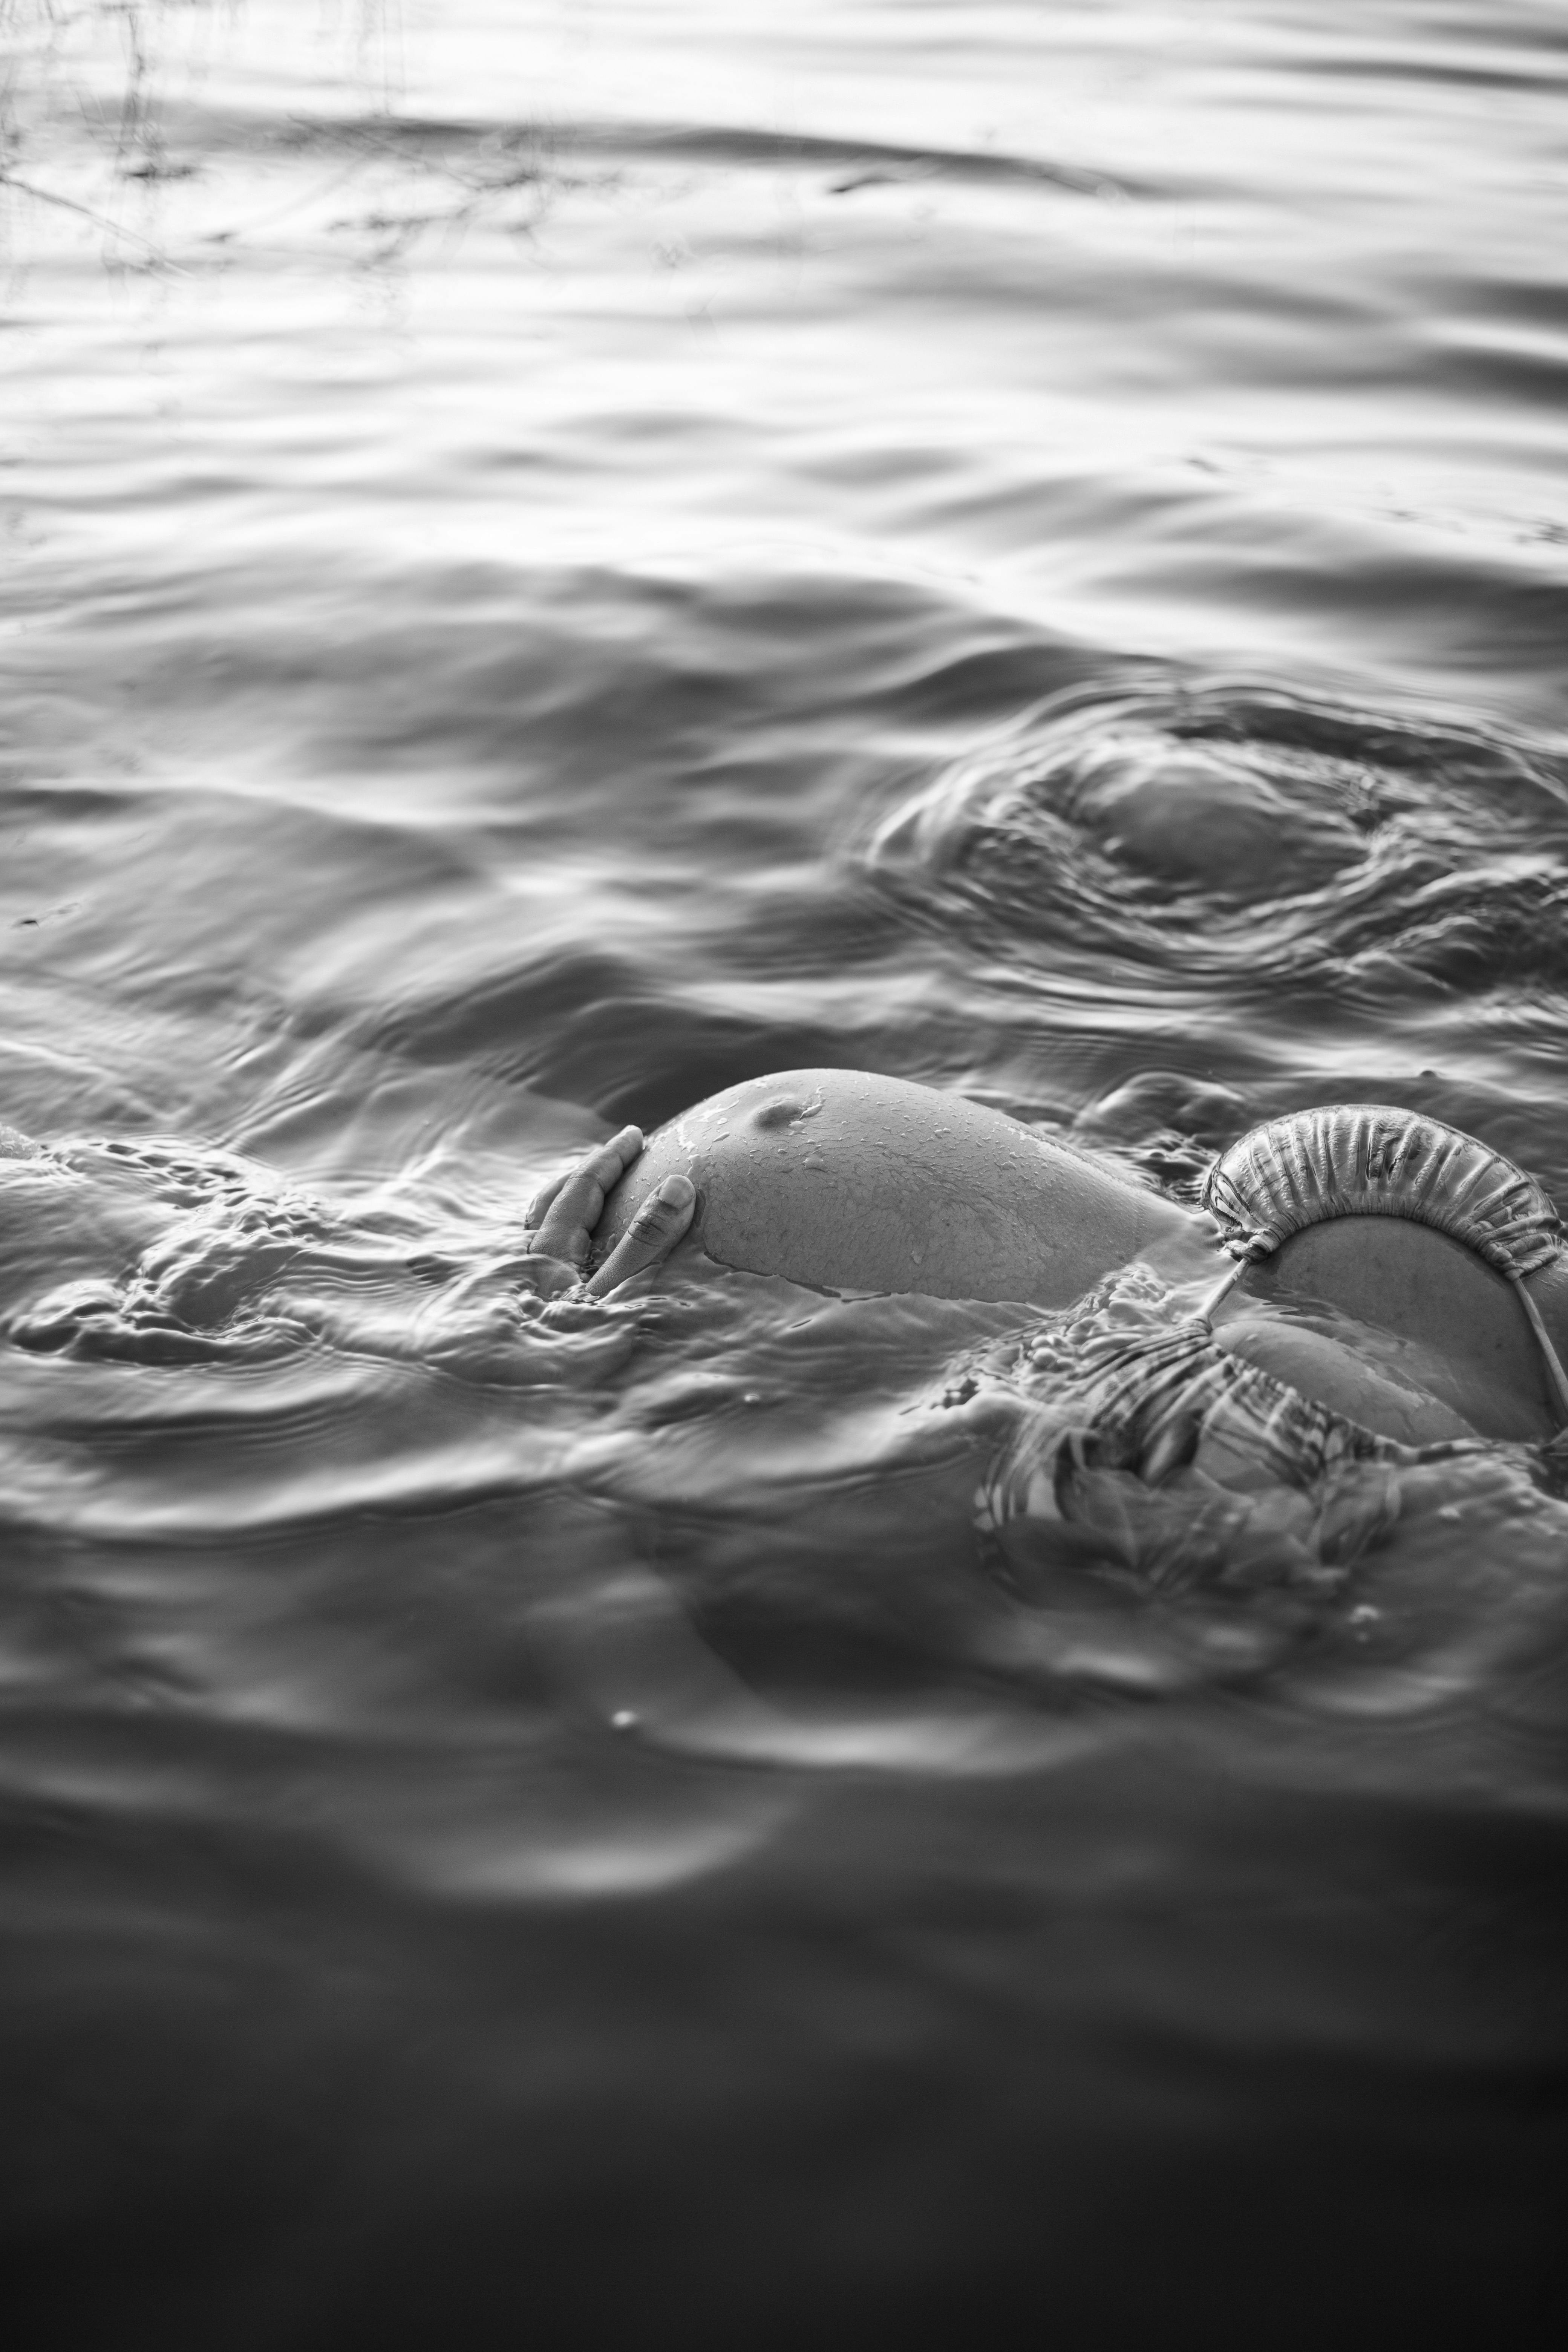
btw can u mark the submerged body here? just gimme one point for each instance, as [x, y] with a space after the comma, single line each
[847, 1180]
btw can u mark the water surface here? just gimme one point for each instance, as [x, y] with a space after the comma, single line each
[559, 556]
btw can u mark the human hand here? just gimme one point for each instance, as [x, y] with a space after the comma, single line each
[563, 1216]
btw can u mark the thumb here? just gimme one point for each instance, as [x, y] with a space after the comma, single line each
[653, 1232]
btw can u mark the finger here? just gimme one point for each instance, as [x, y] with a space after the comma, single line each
[651, 1235]
[577, 1207]
[534, 1214]
[567, 1227]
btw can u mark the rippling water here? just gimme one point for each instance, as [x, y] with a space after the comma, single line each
[558, 556]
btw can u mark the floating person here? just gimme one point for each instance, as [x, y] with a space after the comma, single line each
[1364, 1291]
[1364, 1287]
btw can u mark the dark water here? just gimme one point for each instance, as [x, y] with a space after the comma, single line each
[559, 556]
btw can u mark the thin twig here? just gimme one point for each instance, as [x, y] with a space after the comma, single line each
[99, 220]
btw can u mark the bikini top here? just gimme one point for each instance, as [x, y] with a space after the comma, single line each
[1364, 1160]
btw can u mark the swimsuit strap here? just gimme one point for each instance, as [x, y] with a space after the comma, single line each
[1364, 1160]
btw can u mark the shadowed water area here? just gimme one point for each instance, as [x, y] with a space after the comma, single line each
[558, 557]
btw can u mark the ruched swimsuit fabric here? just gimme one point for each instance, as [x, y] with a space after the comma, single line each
[1367, 1160]
[1158, 1443]
[1364, 1160]
[1149, 1440]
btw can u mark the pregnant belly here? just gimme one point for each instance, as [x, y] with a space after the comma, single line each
[851, 1181]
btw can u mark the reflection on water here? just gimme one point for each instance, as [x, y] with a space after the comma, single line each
[559, 556]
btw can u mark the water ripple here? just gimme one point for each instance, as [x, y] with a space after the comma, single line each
[1217, 832]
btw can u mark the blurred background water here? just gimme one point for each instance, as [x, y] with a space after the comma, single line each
[558, 556]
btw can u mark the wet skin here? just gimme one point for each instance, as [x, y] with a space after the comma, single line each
[846, 1181]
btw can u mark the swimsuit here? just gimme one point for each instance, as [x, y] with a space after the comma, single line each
[1364, 1161]
[1161, 1448]
[1171, 1452]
